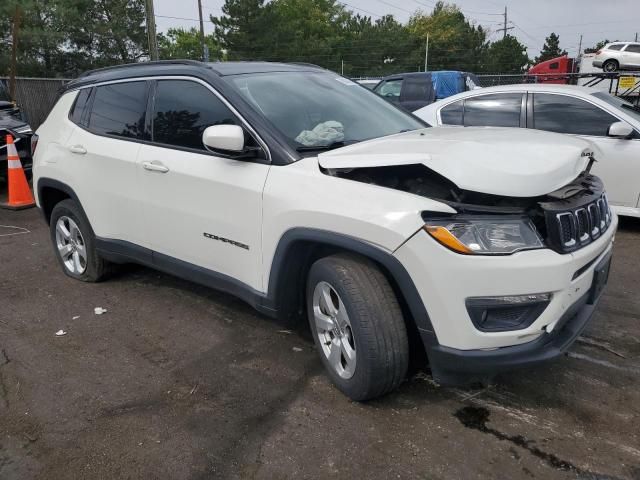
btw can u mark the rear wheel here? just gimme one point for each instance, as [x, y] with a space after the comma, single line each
[610, 66]
[357, 326]
[73, 242]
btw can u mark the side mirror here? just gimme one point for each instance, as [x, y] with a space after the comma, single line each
[227, 138]
[620, 130]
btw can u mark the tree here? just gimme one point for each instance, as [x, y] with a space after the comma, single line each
[454, 42]
[181, 43]
[241, 27]
[597, 46]
[507, 55]
[550, 49]
[67, 37]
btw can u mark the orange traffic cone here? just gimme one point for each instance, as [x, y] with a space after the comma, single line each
[20, 195]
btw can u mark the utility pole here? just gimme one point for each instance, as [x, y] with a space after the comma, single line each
[636, 37]
[505, 28]
[205, 49]
[580, 46]
[14, 53]
[151, 31]
[426, 54]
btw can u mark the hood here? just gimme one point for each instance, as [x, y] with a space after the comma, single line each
[514, 162]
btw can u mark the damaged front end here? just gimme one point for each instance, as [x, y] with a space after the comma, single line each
[564, 220]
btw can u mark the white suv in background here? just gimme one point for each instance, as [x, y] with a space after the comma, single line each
[310, 197]
[609, 122]
[618, 56]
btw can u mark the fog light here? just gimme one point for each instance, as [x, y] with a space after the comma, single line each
[496, 314]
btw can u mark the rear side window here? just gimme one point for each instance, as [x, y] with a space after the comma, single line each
[617, 46]
[416, 89]
[564, 114]
[498, 110]
[77, 114]
[633, 49]
[182, 111]
[554, 66]
[452, 114]
[119, 109]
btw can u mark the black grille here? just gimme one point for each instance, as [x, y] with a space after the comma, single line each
[574, 228]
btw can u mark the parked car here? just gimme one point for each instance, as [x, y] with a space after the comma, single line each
[11, 122]
[486, 249]
[618, 56]
[610, 122]
[415, 90]
[369, 83]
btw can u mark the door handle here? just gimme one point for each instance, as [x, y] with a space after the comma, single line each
[79, 149]
[155, 167]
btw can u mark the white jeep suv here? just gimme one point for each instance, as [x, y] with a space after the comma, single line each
[307, 195]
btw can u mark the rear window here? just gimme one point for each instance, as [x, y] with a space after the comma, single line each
[495, 110]
[78, 110]
[452, 113]
[120, 109]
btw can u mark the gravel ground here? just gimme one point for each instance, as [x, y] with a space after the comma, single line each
[179, 381]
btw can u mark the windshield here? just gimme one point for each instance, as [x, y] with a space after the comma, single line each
[629, 109]
[322, 110]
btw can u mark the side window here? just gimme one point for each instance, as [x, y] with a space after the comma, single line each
[119, 109]
[564, 114]
[416, 89]
[78, 109]
[390, 88]
[554, 66]
[498, 110]
[616, 46]
[633, 48]
[183, 110]
[452, 114]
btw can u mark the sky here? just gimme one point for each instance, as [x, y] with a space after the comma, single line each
[532, 20]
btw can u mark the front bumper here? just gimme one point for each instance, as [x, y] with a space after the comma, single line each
[450, 366]
[445, 280]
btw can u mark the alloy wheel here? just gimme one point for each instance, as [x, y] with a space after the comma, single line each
[333, 329]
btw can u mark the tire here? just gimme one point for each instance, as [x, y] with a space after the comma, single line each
[371, 340]
[610, 66]
[76, 237]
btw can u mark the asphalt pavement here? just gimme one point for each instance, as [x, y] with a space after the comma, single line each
[177, 381]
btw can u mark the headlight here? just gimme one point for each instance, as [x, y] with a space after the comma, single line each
[485, 235]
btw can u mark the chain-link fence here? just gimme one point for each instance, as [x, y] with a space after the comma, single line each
[35, 96]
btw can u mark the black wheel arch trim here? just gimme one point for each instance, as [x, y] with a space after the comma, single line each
[391, 264]
[45, 182]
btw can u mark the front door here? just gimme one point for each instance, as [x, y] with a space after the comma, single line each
[200, 208]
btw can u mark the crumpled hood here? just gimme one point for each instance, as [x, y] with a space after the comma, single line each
[514, 162]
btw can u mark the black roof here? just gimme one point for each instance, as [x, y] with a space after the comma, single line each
[183, 67]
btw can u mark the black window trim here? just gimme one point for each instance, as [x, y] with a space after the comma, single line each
[531, 120]
[523, 106]
[151, 88]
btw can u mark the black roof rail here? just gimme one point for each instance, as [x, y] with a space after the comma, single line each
[194, 63]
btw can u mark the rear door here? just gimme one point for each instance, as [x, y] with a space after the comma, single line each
[104, 146]
[619, 165]
[417, 92]
[201, 208]
[631, 55]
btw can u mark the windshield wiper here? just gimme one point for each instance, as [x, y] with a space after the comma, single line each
[313, 148]
[628, 106]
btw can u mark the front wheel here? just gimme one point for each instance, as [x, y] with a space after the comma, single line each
[357, 326]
